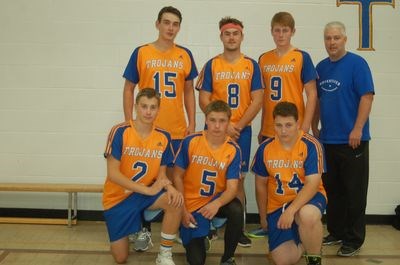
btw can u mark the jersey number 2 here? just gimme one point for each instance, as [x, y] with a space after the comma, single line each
[142, 169]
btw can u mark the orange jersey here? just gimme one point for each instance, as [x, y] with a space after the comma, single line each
[207, 170]
[288, 170]
[140, 158]
[232, 83]
[166, 72]
[284, 79]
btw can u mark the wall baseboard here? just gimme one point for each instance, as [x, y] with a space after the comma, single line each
[88, 215]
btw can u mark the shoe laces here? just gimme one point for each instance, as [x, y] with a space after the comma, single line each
[145, 235]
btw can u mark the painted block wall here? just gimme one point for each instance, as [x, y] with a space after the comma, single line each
[61, 65]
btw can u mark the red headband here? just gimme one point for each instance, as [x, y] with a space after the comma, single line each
[231, 26]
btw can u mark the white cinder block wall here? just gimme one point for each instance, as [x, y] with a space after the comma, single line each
[61, 64]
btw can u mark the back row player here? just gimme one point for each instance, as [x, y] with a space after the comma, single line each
[170, 70]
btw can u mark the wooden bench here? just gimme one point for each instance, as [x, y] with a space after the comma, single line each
[71, 189]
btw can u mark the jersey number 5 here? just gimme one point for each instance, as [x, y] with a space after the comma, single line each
[169, 84]
[208, 180]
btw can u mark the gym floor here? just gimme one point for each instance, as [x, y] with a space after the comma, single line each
[87, 243]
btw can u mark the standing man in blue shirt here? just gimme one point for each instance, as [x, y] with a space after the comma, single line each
[345, 92]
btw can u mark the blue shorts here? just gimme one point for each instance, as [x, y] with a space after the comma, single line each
[278, 236]
[125, 218]
[176, 143]
[202, 229]
[244, 143]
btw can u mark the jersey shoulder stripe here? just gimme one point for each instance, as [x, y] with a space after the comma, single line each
[164, 132]
[111, 135]
[311, 140]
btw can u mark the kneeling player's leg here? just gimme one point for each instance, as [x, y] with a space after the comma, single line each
[233, 211]
[172, 215]
[169, 227]
[308, 219]
[287, 253]
[120, 250]
[196, 251]
[284, 244]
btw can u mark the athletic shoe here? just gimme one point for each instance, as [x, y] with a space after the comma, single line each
[143, 240]
[257, 233]
[212, 234]
[313, 259]
[244, 241]
[347, 251]
[207, 243]
[164, 258]
[330, 240]
[132, 237]
[230, 261]
[178, 240]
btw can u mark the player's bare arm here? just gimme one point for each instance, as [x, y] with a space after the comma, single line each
[257, 97]
[190, 106]
[261, 198]
[128, 94]
[204, 99]
[311, 93]
[315, 121]
[260, 136]
[175, 198]
[178, 174]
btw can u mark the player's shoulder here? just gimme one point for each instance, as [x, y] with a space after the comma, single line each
[121, 125]
[163, 132]
[143, 47]
[301, 53]
[182, 48]
[310, 140]
[267, 53]
[192, 136]
[266, 142]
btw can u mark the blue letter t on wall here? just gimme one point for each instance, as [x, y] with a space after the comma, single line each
[365, 19]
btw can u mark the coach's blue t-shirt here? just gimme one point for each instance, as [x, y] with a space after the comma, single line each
[341, 84]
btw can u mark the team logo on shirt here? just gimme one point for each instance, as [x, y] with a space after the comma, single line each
[142, 152]
[164, 63]
[223, 75]
[205, 160]
[279, 68]
[329, 85]
[281, 163]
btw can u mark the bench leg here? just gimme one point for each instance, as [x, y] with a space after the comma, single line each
[69, 209]
[75, 206]
[72, 206]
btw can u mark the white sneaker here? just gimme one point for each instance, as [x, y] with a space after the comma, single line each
[142, 240]
[164, 258]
